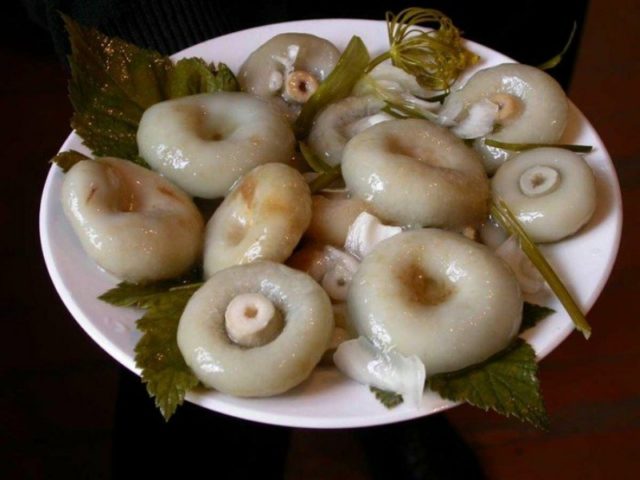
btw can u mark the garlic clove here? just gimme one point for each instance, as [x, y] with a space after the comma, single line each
[365, 233]
[479, 121]
[386, 369]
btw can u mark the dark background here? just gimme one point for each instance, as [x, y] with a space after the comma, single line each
[59, 391]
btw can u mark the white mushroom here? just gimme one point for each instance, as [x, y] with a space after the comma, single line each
[341, 121]
[273, 367]
[288, 69]
[413, 172]
[204, 143]
[531, 107]
[552, 192]
[263, 218]
[131, 221]
[437, 295]
[365, 233]
[331, 217]
[337, 279]
[330, 267]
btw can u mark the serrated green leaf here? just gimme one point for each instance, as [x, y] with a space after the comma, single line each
[127, 294]
[388, 399]
[164, 371]
[66, 160]
[506, 383]
[113, 82]
[532, 314]
[191, 76]
[350, 67]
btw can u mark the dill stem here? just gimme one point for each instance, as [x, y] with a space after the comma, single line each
[378, 60]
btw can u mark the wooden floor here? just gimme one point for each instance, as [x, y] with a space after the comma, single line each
[591, 388]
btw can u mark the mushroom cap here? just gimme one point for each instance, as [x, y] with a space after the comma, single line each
[414, 172]
[205, 142]
[544, 106]
[131, 221]
[263, 218]
[560, 212]
[272, 368]
[437, 295]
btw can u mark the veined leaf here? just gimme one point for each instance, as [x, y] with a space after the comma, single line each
[388, 399]
[164, 371]
[506, 383]
[532, 314]
[113, 82]
[66, 160]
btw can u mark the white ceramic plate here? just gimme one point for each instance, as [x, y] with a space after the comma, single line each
[327, 399]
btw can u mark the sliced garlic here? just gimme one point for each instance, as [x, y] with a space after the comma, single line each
[251, 320]
[276, 80]
[479, 121]
[289, 61]
[539, 180]
[386, 369]
[365, 233]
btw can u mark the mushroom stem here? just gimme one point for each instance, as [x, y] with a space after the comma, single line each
[509, 106]
[299, 86]
[340, 269]
[539, 180]
[251, 320]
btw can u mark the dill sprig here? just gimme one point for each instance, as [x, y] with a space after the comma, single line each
[435, 57]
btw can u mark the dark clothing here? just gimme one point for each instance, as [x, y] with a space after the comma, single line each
[531, 33]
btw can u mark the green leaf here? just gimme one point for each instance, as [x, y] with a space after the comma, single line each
[191, 76]
[350, 67]
[164, 371]
[506, 383]
[113, 82]
[532, 314]
[388, 399]
[66, 160]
